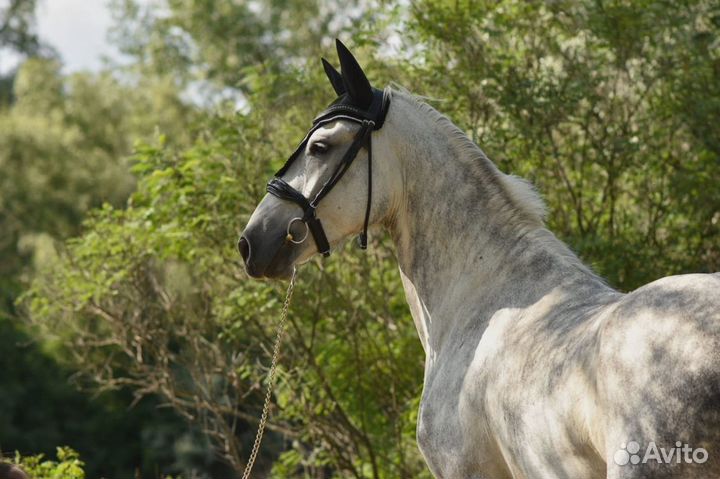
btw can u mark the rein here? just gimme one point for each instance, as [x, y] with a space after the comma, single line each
[271, 379]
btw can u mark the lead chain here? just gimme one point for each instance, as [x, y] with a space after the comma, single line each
[271, 379]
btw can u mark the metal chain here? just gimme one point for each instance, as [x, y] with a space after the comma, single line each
[271, 379]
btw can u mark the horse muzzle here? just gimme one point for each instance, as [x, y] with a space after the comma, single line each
[266, 259]
[271, 243]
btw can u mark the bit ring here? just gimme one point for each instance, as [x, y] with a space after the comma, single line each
[289, 234]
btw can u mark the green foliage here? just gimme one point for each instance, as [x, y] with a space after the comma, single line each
[611, 108]
[225, 42]
[67, 466]
[17, 27]
[155, 289]
[64, 141]
[19, 39]
[42, 407]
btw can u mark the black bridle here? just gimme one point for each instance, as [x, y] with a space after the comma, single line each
[343, 108]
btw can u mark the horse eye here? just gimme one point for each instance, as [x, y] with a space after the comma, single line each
[319, 148]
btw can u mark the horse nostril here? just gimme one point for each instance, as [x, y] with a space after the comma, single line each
[244, 248]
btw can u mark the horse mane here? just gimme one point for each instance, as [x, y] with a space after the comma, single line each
[522, 195]
[523, 200]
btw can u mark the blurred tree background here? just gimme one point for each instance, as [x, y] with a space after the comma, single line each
[128, 328]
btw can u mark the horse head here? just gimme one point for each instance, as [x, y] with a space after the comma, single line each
[336, 183]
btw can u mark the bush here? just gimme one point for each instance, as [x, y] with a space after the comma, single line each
[67, 466]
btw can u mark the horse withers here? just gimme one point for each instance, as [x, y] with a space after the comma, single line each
[535, 368]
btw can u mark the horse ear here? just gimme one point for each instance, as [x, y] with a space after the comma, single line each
[354, 79]
[334, 76]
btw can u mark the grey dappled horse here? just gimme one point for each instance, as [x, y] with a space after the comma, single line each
[534, 367]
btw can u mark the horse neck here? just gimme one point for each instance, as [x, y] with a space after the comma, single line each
[470, 240]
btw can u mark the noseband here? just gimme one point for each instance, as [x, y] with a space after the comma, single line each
[369, 119]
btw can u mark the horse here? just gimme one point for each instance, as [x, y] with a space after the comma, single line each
[534, 367]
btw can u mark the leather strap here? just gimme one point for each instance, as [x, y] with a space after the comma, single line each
[362, 239]
[280, 188]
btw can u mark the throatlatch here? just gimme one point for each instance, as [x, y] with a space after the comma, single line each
[357, 102]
